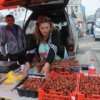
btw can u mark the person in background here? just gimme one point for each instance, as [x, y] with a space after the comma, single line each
[13, 41]
[89, 27]
[48, 40]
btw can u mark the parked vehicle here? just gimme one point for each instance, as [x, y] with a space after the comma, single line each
[97, 29]
[55, 9]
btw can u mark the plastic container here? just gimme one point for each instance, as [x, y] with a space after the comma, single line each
[92, 68]
[28, 92]
[89, 88]
[81, 96]
[75, 69]
[54, 95]
[84, 66]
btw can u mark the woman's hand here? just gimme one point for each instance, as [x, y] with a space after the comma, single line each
[27, 66]
[45, 69]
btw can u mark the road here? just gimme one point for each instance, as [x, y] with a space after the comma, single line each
[89, 48]
[88, 43]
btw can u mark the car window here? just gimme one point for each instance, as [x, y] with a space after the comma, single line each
[30, 27]
[97, 23]
[2, 24]
[20, 14]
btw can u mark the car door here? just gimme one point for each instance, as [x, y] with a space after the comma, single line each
[75, 34]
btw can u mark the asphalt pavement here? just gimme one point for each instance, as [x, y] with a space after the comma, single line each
[89, 48]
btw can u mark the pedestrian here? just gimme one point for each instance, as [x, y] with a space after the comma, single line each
[48, 40]
[89, 26]
[13, 41]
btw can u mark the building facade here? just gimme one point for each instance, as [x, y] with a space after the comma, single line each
[97, 13]
[75, 6]
[20, 14]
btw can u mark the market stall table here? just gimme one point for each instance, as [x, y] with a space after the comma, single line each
[7, 92]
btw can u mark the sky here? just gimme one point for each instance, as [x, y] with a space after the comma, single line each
[90, 6]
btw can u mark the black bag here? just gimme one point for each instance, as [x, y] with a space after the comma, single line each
[3, 57]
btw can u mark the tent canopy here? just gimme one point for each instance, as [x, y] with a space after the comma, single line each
[2, 7]
[34, 4]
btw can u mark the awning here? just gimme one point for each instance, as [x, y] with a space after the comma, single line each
[37, 4]
[2, 7]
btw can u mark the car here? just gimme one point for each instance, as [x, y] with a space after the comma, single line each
[56, 10]
[90, 30]
[96, 28]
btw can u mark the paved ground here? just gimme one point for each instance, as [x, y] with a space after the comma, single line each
[89, 48]
[84, 60]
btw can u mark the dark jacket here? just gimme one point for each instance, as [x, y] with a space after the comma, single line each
[14, 44]
[55, 46]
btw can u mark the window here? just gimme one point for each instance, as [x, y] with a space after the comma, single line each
[18, 10]
[15, 14]
[15, 10]
[30, 28]
[76, 8]
[71, 7]
[23, 9]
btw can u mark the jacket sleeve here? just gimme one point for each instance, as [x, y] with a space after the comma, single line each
[23, 37]
[54, 45]
[2, 40]
[32, 49]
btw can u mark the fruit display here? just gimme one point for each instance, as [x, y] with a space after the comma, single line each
[58, 65]
[29, 86]
[36, 59]
[60, 84]
[90, 85]
[64, 65]
[32, 83]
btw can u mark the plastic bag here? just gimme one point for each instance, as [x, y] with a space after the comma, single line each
[88, 56]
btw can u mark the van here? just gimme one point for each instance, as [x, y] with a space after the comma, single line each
[96, 28]
[56, 10]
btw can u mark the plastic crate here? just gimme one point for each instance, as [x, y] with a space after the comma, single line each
[64, 73]
[65, 66]
[96, 97]
[52, 95]
[83, 96]
[28, 92]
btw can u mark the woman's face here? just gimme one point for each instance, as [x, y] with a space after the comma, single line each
[44, 29]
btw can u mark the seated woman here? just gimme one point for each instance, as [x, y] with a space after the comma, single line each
[48, 40]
